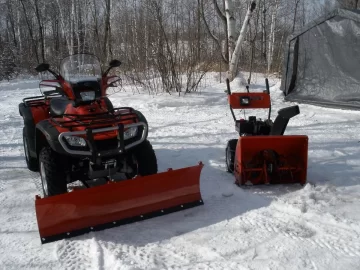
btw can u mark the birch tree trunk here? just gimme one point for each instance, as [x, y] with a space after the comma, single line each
[235, 56]
[72, 16]
[229, 12]
[272, 36]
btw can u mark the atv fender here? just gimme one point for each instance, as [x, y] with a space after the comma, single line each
[142, 119]
[47, 134]
[29, 125]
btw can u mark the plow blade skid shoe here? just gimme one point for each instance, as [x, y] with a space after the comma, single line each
[117, 203]
[271, 160]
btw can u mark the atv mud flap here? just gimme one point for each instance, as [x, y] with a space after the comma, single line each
[271, 160]
[117, 203]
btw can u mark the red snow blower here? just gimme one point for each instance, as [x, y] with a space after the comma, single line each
[263, 154]
[72, 133]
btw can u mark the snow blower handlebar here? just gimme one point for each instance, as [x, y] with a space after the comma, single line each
[268, 91]
[229, 95]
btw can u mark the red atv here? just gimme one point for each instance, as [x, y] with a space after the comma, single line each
[72, 132]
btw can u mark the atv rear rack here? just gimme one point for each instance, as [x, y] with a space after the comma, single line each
[40, 100]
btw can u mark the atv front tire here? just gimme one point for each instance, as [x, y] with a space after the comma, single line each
[230, 155]
[144, 160]
[31, 163]
[52, 172]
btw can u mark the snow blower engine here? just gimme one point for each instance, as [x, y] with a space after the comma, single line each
[263, 154]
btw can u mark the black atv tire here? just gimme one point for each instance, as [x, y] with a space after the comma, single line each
[31, 163]
[230, 155]
[144, 159]
[52, 172]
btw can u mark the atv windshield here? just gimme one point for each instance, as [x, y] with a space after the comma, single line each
[80, 67]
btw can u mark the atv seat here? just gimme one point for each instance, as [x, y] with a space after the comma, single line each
[58, 106]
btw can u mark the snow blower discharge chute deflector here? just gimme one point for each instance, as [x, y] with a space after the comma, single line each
[263, 154]
[73, 133]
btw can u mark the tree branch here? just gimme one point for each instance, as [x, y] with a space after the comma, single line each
[218, 11]
[215, 38]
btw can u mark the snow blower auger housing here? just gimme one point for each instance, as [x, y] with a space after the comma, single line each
[73, 133]
[263, 154]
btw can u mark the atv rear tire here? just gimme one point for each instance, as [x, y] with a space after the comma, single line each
[230, 155]
[144, 159]
[31, 163]
[52, 172]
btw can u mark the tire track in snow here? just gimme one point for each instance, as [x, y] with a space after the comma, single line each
[37, 182]
[98, 251]
[146, 257]
[123, 256]
[333, 243]
[2, 185]
[80, 254]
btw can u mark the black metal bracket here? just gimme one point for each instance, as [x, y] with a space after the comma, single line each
[268, 91]
[120, 138]
[92, 146]
[229, 93]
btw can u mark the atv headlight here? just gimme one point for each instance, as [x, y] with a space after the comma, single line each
[129, 133]
[87, 96]
[75, 141]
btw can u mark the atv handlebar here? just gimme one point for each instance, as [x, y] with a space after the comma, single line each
[90, 140]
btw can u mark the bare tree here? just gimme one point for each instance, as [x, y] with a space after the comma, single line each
[165, 45]
[352, 4]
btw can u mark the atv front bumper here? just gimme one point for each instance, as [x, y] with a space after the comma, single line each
[98, 153]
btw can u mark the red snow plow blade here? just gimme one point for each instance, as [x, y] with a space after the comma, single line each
[117, 203]
[271, 160]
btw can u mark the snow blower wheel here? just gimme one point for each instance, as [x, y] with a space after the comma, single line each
[230, 155]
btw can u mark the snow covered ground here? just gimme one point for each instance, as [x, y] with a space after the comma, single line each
[265, 227]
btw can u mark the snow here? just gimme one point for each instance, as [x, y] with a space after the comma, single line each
[259, 227]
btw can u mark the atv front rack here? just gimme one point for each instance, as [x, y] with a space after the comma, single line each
[89, 133]
[106, 118]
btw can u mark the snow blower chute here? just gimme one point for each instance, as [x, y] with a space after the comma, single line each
[263, 154]
[73, 133]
